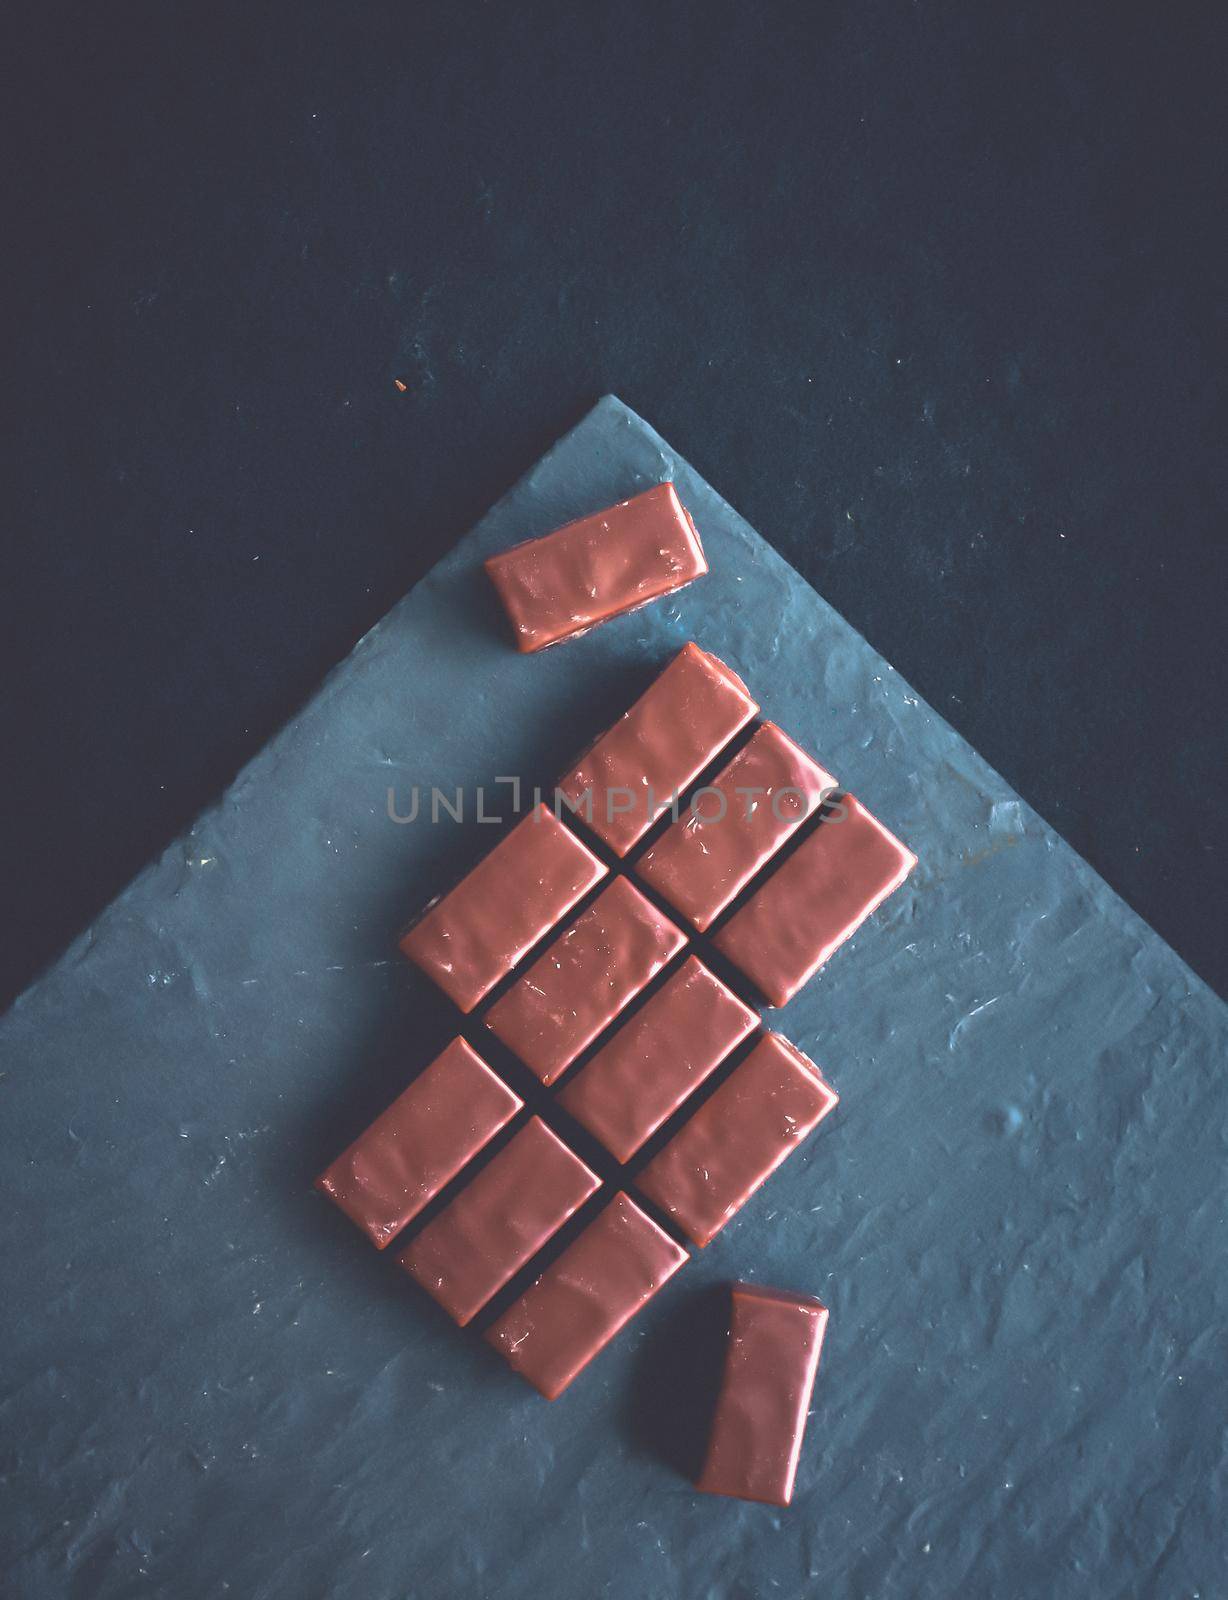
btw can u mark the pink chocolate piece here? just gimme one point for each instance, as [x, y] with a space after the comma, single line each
[475, 934]
[640, 1078]
[499, 1221]
[759, 1115]
[420, 1143]
[681, 722]
[584, 979]
[815, 901]
[775, 1339]
[598, 567]
[582, 1300]
[735, 825]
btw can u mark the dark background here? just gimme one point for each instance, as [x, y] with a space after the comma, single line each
[932, 293]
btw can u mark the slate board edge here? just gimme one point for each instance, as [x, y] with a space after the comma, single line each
[697, 493]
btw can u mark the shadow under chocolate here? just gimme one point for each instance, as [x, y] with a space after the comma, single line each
[676, 1377]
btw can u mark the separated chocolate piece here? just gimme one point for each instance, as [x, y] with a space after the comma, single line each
[656, 1059]
[582, 1300]
[584, 979]
[734, 825]
[475, 934]
[764, 1109]
[774, 1343]
[681, 722]
[597, 567]
[815, 901]
[420, 1143]
[499, 1221]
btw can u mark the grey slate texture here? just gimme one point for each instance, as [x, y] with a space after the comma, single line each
[212, 1386]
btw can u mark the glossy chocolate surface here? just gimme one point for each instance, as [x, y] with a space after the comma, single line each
[584, 979]
[735, 825]
[582, 1300]
[758, 1117]
[681, 722]
[499, 1221]
[775, 1339]
[476, 933]
[420, 1143]
[639, 1078]
[597, 567]
[815, 901]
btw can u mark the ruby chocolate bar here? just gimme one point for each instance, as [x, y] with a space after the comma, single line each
[775, 1339]
[759, 1115]
[474, 935]
[815, 901]
[499, 1221]
[597, 567]
[584, 979]
[639, 1079]
[735, 825]
[682, 721]
[420, 1143]
[584, 1298]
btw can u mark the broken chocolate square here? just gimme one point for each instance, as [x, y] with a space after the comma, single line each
[475, 934]
[499, 1221]
[815, 901]
[758, 1117]
[735, 825]
[775, 1339]
[586, 1296]
[416, 1147]
[583, 979]
[639, 1078]
[597, 567]
[638, 768]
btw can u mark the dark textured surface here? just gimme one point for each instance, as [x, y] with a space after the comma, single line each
[933, 290]
[212, 1386]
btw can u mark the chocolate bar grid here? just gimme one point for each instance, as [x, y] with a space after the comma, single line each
[532, 1272]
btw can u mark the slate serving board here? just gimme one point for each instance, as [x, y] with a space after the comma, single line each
[212, 1386]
